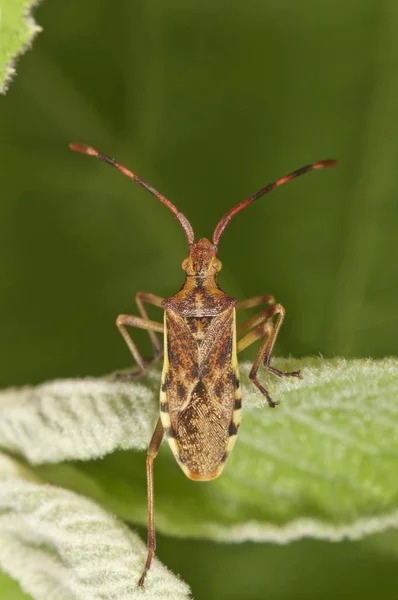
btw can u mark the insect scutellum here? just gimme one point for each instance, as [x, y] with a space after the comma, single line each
[200, 395]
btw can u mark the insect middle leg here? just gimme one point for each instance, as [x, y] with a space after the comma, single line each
[261, 326]
[153, 449]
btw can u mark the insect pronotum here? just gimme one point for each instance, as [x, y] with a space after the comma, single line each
[200, 396]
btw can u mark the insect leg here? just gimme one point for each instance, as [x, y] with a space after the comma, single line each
[153, 448]
[148, 298]
[255, 301]
[124, 321]
[279, 310]
[258, 317]
[261, 326]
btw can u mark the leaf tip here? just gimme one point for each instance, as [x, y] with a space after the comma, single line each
[28, 29]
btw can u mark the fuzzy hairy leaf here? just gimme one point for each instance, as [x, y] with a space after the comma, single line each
[322, 464]
[77, 419]
[17, 30]
[61, 546]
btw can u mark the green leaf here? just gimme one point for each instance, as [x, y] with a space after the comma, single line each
[77, 419]
[17, 30]
[61, 546]
[322, 464]
[10, 590]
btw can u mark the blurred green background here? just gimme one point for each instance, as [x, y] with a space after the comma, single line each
[208, 101]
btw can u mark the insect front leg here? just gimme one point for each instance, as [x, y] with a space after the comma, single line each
[153, 449]
[262, 326]
[124, 321]
[146, 297]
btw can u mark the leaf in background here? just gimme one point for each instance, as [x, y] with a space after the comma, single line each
[323, 464]
[61, 546]
[76, 419]
[17, 30]
[10, 590]
[304, 570]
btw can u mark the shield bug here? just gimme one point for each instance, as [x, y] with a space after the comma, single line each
[200, 396]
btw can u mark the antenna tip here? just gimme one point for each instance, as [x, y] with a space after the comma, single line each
[83, 148]
[329, 162]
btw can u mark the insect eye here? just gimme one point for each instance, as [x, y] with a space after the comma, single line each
[218, 264]
[186, 263]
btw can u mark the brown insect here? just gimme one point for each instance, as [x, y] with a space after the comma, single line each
[200, 397]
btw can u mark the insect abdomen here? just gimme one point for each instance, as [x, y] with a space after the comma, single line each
[202, 434]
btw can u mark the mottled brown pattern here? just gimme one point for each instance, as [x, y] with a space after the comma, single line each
[199, 348]
[201, 433]
[195, 301]
[181, 391]
[198, 326]
[219, 388]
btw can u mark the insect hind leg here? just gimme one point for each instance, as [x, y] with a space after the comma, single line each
[280, 311]
[153, 449]
[261, 326]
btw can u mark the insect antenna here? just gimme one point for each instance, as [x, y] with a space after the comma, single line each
[185, 224]
[221, 225]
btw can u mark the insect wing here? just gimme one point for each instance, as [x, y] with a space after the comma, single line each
[200, 395]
